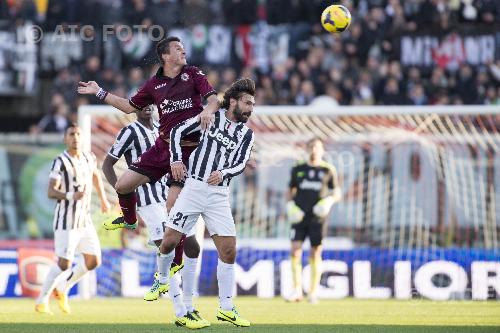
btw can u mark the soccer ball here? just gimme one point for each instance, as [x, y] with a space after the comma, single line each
[335, 18]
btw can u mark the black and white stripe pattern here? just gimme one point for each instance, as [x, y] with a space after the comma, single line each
[75, 174]
[225, 146]
[132, 141]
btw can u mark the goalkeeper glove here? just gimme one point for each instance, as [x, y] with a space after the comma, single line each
[322, 207]
[293, 212]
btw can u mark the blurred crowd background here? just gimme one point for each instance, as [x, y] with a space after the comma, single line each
[279, 43]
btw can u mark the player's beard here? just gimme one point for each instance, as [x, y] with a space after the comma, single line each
[241, 116]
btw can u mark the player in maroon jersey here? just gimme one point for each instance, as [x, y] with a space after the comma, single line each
[177, 90]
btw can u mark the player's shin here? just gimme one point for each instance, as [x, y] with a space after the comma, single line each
[175, 294]
[179, 250]
[52, 279]
[296, 262]
[225, 280]
[188, 281]
[76, 275]
[315, 264]
[164, 262]
[127, 204]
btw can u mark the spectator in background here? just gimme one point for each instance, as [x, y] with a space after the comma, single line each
[54, 123]
[22, 11]
[306, 93]
[437, 83]
[196, 12]
[353, 67]
[65, 85]
[417, 95]
[489, 10]
[466, 87]
[91, 71]
[135, 80]
[491, 97]
[363, 94]
[392, 94]
[238, 12]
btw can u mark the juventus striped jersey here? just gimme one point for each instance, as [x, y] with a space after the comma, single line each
[75, 175]
[132, 141]
[225, 146]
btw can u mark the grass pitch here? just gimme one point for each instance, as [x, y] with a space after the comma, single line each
[275, 316]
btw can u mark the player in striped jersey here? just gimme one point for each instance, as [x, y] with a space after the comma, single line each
[222, 153]
[72, 176]
[131, 142]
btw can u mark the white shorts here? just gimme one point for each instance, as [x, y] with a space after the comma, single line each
[211, 202]
[83, 240]
[155, 218]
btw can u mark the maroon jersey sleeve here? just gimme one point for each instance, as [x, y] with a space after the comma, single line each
[201, 83]
[142, 98]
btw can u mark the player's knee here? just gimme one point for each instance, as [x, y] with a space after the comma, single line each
[63, 264]
[228, 255]
[122, 187]
[296, 252]
[93, 263]
[167, 246]
[191, 247]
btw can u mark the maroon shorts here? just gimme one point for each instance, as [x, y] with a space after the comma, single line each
[155, 162]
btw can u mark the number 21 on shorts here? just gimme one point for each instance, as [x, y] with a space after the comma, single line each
[178, 217]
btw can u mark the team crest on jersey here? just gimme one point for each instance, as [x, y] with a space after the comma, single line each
[311, 173]
[185, 76]
[320, 174]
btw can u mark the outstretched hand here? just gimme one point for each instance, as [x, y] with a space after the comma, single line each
[88, 88]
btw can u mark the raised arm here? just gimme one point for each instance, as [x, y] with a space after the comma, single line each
[92, 88]
[206, 91]
[207, 115]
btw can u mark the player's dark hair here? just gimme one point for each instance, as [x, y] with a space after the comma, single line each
[70, 125]
[163, 46]
[237, 89]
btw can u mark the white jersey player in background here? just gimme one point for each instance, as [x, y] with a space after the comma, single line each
[72, 176]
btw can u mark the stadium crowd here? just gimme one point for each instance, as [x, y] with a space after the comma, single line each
[357, 67]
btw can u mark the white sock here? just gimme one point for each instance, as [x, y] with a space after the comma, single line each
[175, 293]
[76, 275]
[188, 281]
[164, 263]
[225, 280]
[50, 282]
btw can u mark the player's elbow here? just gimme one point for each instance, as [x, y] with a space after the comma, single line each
[51, 194]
